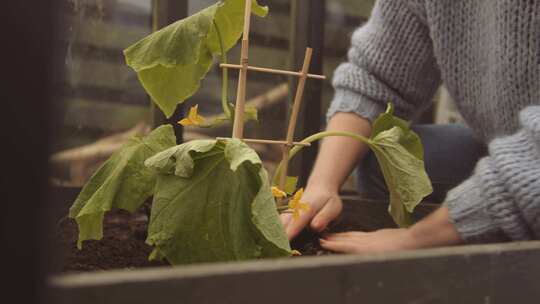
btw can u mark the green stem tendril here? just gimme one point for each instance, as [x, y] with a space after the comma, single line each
[225, 76]
[320, 136]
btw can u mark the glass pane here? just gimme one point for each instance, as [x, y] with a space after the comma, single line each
[101, 99]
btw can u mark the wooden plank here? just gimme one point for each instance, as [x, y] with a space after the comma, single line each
[116, 12]
[111, 49]
[112, 34]
[275, 25]
[264, 56]
[107, 75]
[104, 95]
[105, 116]
[498, 273]
[105, 34]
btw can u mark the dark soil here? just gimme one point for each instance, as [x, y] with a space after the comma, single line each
[122, 245]
[357, 215]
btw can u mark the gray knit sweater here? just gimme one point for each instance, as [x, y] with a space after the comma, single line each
[487, 53]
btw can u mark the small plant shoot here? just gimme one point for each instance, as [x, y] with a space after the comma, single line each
[212, 199]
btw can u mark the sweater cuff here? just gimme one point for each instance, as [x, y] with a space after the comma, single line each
[351, 102]
[470, 215]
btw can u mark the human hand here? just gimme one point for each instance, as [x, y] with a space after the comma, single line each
[325, 206]
[385, 240]
[434, 231]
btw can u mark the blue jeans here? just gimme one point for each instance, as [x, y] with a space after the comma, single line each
[450, 154]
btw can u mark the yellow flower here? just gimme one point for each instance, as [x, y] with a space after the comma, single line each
[296, 205]
[193, 118]
[296, 253]
[278, 193]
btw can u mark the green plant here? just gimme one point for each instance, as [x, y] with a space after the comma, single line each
[400, 155]
[212, 199]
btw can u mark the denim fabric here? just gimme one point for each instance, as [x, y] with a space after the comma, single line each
[450, 154]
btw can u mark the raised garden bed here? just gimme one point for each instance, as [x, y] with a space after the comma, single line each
[507, 273]
[499, 273]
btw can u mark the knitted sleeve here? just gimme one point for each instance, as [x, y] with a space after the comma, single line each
[390, 60]
[501, 201]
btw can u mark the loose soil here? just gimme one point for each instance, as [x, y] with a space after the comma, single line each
[358, 215]
[123, 244]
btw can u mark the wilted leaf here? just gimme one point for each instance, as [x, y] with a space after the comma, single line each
[213, 203]
[403, 172]
[230, 21]
[409, 140]
[171, 62]
[121, 182]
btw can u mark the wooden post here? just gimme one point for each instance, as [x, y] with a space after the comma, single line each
[238, 125]
[269, 141]
[271, 71]
[294, 117]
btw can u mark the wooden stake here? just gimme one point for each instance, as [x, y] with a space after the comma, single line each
[294, 118]
[271, 71]
[238, 125]
[269, 141]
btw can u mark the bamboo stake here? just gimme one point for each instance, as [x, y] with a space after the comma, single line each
[272, 71]
[269, 141]
[238, 125]
[294, 117]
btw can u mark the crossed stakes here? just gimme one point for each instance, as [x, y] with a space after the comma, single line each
[289, 142]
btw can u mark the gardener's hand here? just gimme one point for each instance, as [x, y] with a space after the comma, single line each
[325, 206]
[434, 231]
[385, 240]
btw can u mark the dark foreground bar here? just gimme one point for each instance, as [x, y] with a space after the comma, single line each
[500, 273]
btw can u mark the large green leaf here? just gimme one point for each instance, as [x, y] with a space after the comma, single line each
[121, 182]
[171, 62]
[404, 173]
[409, 140]
[213, 203]
[230, 21]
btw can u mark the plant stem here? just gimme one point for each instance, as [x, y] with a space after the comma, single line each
[225, 76]
[282, 208]
[319, 136]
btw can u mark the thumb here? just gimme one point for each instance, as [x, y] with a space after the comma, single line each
[328, 213]
[296, 225]
[285, 219]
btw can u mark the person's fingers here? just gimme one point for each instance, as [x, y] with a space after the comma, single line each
[337, 246]
[297, 224]
[350, 236]
[330, 211]
[285, 219]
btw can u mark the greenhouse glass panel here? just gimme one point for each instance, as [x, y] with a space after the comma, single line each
[102, 103]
